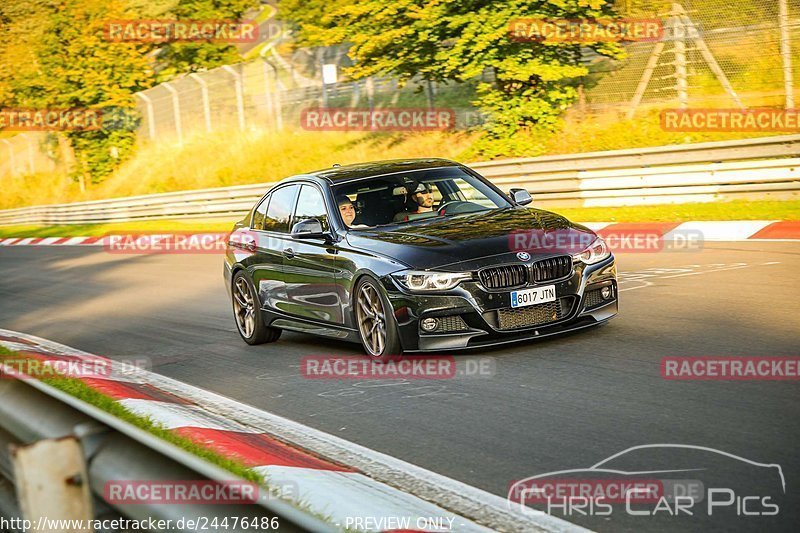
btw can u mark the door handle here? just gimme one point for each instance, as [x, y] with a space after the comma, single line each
[288, 253]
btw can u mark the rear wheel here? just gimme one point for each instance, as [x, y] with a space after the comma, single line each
[377, 326]
[247, 313]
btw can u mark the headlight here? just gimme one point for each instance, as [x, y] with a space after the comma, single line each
[415, 280]
[596, 252]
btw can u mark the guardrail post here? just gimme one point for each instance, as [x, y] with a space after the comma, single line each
[52, 481]
[237, 77]
[786, 53]
[204, 96]
[11, 156]
[176, 109]
[151, 125]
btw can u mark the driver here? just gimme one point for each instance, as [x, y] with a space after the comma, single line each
[420, 197]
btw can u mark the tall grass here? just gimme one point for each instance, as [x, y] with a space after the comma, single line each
[235, 158]
[612, 130]
[232, 158]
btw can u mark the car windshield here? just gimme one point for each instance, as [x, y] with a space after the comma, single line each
[406, 197]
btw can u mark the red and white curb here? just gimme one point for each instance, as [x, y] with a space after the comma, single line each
[111, 240]
[51, 241]
[727, 230]
[333, 477]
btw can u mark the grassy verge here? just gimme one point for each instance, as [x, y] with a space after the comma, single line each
[82, 391]
[96, 230]
[735, 210]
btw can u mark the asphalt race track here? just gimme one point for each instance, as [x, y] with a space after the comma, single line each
[556, 404]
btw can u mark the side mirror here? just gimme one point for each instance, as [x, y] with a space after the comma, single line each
[521, 196]
[308, 229]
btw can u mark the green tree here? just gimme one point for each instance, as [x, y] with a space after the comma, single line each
[22, 26]
[54, 54]
[80, 68]
[177, 58]
[455, 41]
[67, 63]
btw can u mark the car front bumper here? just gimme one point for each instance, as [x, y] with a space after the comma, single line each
[471, 312]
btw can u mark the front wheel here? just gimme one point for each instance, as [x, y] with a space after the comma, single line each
[247, 312]
[377, 326]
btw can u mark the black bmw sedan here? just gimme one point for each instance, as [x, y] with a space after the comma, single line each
[413, 255]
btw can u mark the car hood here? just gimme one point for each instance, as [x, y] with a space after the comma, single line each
[470, 241]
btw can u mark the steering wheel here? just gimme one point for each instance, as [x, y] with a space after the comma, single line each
[442, 209]
[457, 207]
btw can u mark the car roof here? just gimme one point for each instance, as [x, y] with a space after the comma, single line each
[377, 168]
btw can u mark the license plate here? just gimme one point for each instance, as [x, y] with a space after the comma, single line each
[539, 295]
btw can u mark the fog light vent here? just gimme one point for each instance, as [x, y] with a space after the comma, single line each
[598, 297]
[429, 324]
[443, 324]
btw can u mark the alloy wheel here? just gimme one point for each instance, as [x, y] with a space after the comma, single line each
[244, 308]
[371, 319]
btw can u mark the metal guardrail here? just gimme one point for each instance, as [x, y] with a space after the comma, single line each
[31, 411]
[760, 168]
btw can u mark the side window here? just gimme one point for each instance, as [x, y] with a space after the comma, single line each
[260, 213]
[311, 205]
[279, 212]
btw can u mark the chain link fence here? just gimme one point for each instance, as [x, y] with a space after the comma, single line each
[28, 153]
[271, 92]
[714, 53]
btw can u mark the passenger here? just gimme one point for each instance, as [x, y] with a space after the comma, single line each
[348, 211]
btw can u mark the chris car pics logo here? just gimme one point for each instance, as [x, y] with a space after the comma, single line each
[674, 480]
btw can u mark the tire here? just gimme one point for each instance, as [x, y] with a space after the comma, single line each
[375, 321]
[247, 312]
